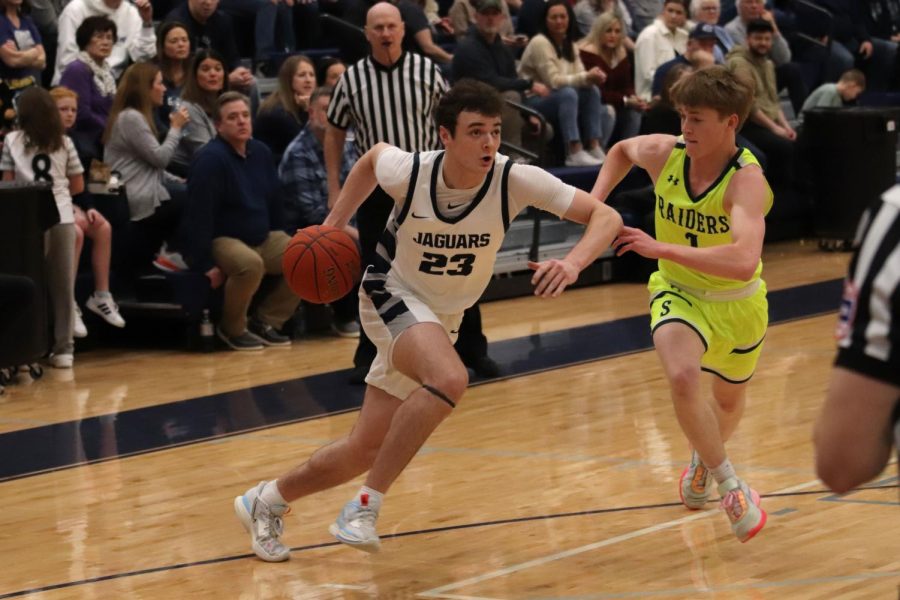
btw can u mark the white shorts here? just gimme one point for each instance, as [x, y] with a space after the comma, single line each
[385, 325]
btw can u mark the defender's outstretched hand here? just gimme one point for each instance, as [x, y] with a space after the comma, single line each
[552, 276]
[635, 240]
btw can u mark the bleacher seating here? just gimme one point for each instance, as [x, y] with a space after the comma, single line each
[533, 236]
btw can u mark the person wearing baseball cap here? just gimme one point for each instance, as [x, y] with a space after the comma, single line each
[699, 53]
[483, 55]
[462, 17]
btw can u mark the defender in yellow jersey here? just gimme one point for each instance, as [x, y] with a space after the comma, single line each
[708, 302]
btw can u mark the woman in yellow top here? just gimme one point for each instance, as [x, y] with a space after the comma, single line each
[574, 103]
[707, 300]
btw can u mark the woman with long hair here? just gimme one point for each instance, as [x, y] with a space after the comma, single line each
[89, 222]
[132, 149]
[206, 80]
[604, 48]
[587, 11]
[574, 103]
[22, 56]
[40, 151]
[173, 55]
[91, 78]
[284, 113]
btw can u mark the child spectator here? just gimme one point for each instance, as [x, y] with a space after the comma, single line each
[89, 222]
[40, 151]
[835, 95]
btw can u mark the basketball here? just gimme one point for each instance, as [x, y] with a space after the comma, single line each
[321, 264]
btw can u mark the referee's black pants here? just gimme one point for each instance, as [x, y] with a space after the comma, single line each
[371, 218]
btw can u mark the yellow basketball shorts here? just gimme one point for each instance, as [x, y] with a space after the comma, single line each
[731, 330]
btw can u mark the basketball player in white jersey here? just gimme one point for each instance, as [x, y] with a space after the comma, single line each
[435, 259]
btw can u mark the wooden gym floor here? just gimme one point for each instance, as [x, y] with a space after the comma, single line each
[559, 481]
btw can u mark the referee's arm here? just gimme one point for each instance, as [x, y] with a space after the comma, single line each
[334, 151]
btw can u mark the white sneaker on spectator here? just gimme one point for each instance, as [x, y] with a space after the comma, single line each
[581, 159]
[598, 153]
[170, 262]
[61, 361]
[79, 330]
[107, 308]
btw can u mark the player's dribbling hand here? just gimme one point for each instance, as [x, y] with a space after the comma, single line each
[552, 276]
[635, 240]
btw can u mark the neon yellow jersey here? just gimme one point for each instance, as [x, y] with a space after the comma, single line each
[699, 221]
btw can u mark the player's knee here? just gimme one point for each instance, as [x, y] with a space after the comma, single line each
[455, 382]
[730, 403]
[448, 386]
[684, 380]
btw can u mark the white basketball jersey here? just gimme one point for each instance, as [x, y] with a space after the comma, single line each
[447, 262]
[55, 168]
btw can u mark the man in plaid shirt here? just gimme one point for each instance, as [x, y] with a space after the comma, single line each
[304, 183]
[304, 186]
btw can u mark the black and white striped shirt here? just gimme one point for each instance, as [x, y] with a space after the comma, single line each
[390, 104]
[869, 323]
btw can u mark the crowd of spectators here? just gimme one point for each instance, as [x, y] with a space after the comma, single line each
[139, 87]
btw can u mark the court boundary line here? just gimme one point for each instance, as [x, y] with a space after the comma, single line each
[792, 491]
[440, 591]
[783, 583]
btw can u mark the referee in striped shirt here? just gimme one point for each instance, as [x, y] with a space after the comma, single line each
[853, 435]
[389, 96]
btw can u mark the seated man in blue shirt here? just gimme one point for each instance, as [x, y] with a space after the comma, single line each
[234, 227]
[304, 188]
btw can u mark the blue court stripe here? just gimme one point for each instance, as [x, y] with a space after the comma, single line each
[58, 446]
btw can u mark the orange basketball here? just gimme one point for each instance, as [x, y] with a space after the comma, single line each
[321, 264]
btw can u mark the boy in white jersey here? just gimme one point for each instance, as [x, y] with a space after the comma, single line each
[434, 260]
[708, 303]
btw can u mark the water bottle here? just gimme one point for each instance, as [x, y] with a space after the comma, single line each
[207, 333]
